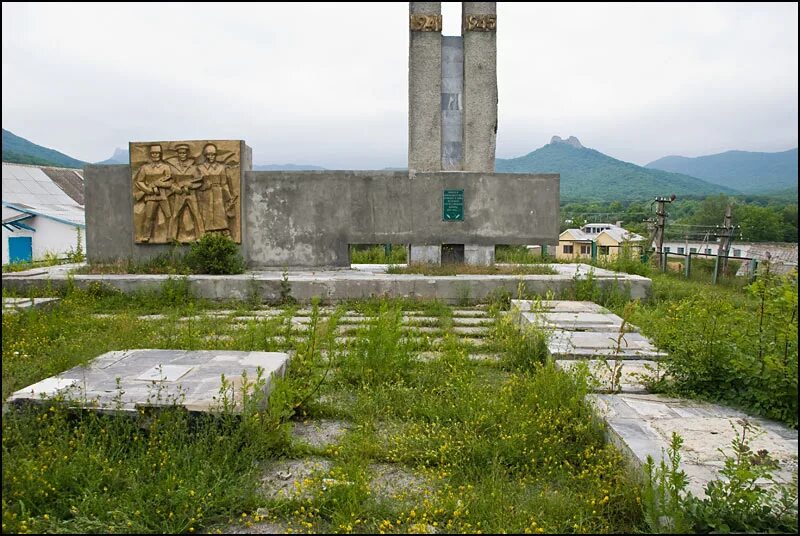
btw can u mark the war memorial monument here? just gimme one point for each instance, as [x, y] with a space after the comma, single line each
[449, 199]
[449, 206]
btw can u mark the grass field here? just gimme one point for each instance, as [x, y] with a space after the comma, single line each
[434, 437]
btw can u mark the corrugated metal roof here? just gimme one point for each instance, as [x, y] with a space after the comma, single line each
[30, 190]
[620, 235]
[617, 233]
[69, 180]
[71, 215]
[579, 235]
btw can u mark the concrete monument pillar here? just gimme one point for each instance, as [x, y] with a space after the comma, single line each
[479, 115]
[424, 102]
[452, 102]
[479, 32]
[425, 86]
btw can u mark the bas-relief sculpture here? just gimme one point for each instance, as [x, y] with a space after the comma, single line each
[182, 190]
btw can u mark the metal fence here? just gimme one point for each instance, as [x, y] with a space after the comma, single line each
[707, 266]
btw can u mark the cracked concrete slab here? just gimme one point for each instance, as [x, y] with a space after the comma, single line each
[127, 380]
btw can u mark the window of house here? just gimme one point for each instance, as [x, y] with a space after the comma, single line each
[585, 250]
[666, 249]
[681, 251]
[568, 249]
[692, 250]
[737, 252]
[603, 250]
[708, 251]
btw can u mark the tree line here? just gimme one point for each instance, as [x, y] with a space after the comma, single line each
[756, 218]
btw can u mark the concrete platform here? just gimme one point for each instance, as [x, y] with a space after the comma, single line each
[343, 284]
[148, 378]
[642, 425]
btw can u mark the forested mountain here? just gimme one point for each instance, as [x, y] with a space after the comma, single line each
[21, 151]
[748, 172]
[587, 174]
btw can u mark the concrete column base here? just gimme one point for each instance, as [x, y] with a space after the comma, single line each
[478, 255]
[425, 253]
[474, 255]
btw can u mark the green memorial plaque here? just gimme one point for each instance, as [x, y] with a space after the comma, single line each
[453, 205]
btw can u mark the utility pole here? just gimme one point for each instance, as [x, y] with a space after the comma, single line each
[658, 233]
[726, 234]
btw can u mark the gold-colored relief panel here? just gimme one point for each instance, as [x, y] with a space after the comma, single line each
[425, 23]
[480, 23]
[184, 189]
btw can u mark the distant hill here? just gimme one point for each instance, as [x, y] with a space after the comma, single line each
[120, 156]
[21, 151]
[589, 175]
[745, 171]
[286, 167]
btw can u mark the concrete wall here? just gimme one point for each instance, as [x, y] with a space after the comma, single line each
[480, 91]
[308, 218]
[109, 213]
[424, 93]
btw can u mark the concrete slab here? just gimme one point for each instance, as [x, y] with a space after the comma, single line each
[577, 321]
[558, 306]
[473, 321]
[582, 344]
[129, 379]
[632, 375]
[480, 313]
[13, 305]
[471, 331]
[642, 425]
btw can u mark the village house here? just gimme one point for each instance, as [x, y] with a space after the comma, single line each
[43, 213]
[598, 240]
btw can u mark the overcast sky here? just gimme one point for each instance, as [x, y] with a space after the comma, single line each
[327, 84]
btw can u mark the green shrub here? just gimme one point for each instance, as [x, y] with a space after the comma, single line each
[737, 348]
[381, 354]
[215, 254]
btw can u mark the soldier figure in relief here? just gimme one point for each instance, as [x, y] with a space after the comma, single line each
[152, 185]
[186, 180]
[215, 195]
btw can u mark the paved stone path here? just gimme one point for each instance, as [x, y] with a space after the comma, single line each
[641, 423]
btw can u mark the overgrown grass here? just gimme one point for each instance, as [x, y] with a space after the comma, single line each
[377, 254]
[507, 446]
[470, 269]
[520, 255]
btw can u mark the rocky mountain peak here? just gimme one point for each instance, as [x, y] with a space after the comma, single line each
[572, 140]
